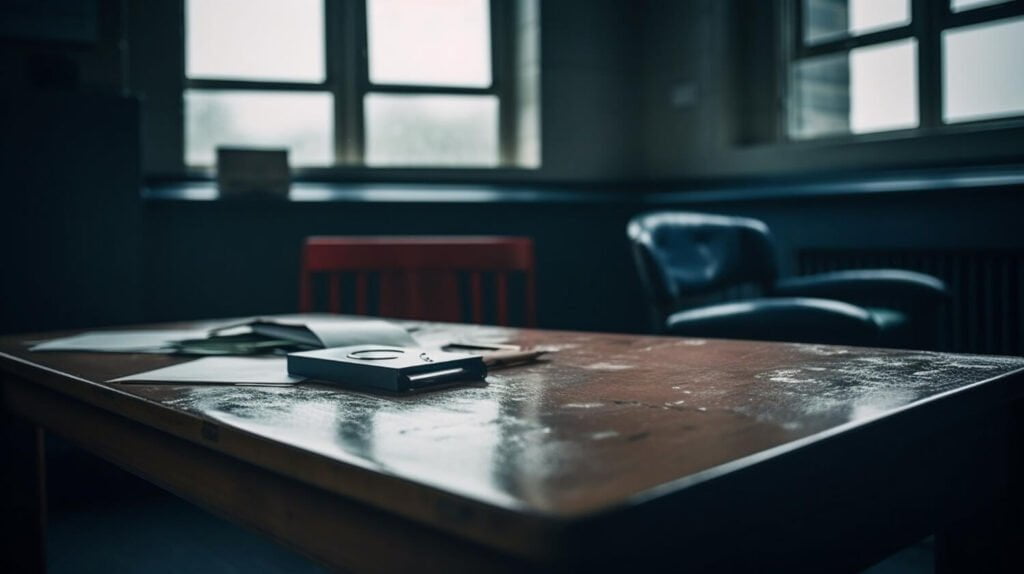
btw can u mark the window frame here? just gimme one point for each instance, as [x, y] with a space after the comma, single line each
[929, 19]
[347, 80]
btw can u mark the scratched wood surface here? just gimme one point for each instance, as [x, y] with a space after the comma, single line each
[605, 421]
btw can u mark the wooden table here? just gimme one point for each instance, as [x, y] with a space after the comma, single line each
[617, 451]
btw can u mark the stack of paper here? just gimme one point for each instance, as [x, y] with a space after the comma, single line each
[220, 371]
[122, 341]
[255, 336]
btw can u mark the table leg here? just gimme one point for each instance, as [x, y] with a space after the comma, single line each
[22, 497]
[992, 539]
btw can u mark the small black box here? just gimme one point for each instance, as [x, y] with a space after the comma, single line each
[383, 367]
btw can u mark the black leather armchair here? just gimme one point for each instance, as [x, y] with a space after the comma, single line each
[688, 259]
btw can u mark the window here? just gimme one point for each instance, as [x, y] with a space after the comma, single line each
[377, 83]
[866, 66]
[430, 100]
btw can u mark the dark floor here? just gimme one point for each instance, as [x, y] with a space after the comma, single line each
[162, 534]
[105, 520]
[916, 559]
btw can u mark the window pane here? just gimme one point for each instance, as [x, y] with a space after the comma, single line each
[873, 89]
[417, 42]
[299, 121]
[431, 130]
[820, 97]
[983, 77]
[826, 20]
[279, 40]
[884, 82]
[961, 5]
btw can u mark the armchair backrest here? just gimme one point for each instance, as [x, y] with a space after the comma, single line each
[682, 254]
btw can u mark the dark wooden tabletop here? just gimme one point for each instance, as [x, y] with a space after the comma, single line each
[607, 422]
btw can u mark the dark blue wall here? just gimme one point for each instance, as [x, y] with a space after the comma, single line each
[238, 258]
[242, 257]
[70, 222]
[84, 248]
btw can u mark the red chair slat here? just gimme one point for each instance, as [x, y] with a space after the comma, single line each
[476, 294]
[362, 304]
[418, 277]
[334, 301]
[531, 302]
[501, 287]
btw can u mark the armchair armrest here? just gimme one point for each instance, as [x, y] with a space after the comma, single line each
[868, 287]
[797, 319]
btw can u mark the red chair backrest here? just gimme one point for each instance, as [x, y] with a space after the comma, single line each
[420, 277]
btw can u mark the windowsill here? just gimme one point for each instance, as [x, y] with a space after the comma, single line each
[904, 183]
[310, 192]
[638, 193]
[994, 126]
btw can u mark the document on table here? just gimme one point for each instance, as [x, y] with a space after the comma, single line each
[314, 332]
[220, 371]
[158, 341]
[325, 332]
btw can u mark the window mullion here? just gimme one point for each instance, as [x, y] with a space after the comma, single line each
[503, 71]
[335, 73]
[180, 141]
[343, 51]
[359, 77]
[232, 84]
[796, 31]
[421, 89]
[854, 42]
[927, 17]
[790, 25]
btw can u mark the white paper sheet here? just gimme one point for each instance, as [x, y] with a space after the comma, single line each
[324, 330]
[121, 341]
[220, 371]
[330, 331]
[346, 332]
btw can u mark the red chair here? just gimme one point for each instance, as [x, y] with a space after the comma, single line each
[425, 278]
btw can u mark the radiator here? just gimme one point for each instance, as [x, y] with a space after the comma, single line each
[985, 314]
